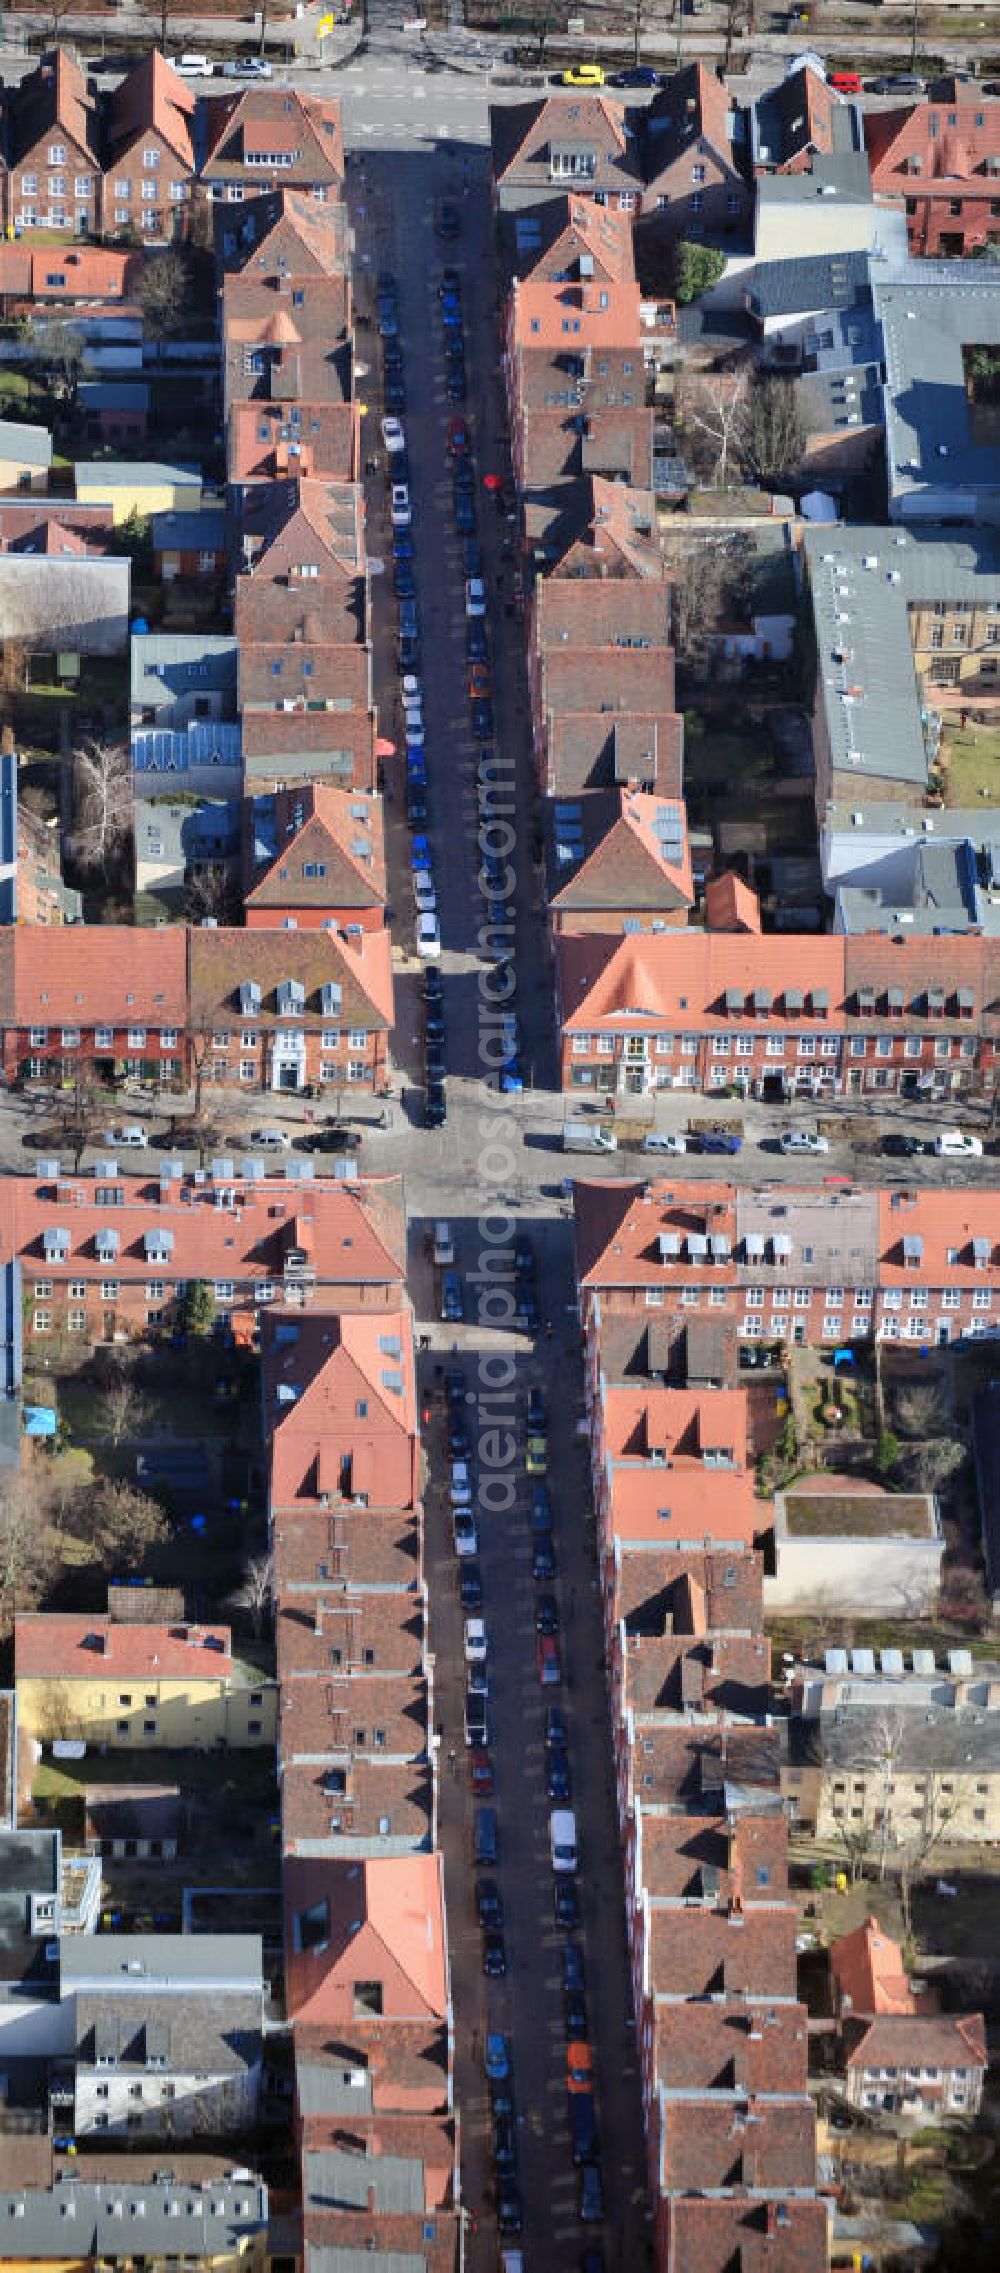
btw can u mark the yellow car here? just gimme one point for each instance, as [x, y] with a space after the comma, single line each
[584, 75]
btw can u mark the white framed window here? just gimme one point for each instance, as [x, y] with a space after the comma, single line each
[78, 1290]
[858, 1045]
[70, 1037]
[225, 1290]
[155, 1290]
[357, 1069]
[718, 1296]
[29, 185]
[605, 1045]
[806, 1046]
[109, 1290]
[950, 1298]
[249, 1038]
[752, 1325]
[918, 1298]
[580, 1045]
[689, 1045]
[357, 1038]
[721, 1045]
[77, 1321]
[104, 1037]
[136, 1039]
[56, 154]
[168, 1037]
[913, 1046]
[38, 1037]
[330, 1038]
[43, 1322]
[149, 192]
[802, 1297]
[123, 191]
[775, 1045]
[829, 1046]
[892, 1298]
[754, 1297]
[248, 1069]
[744, 1045]
[863, 1297]
[36, 1068]
[43, 1290]
[664, 1045]
[982, 1298]
[122, 219]
[690, 1297]
[654, 1298]
[834, 1297]
[328, 1069]
[178, 193]
[150, 157]
[831, 1329]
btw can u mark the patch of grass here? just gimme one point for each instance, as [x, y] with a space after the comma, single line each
[861, 1516]
[233, 1779]
[971, 764]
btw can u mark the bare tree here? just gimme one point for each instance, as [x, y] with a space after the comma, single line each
[102, 787]
[710, 578]
[920, 1408]
[123, 1406]
[254, 1593]
[211, 890]
[119, 1523]
[930, 1466]
[29, 1555]
[162, 292]
[716, 409]
[774, 433]
[58, 347]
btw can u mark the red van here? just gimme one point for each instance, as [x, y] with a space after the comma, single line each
[846, 82]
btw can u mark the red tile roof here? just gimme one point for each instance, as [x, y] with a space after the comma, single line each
[950, 161]
[721, 2236]
[346, 1431]
[802, 108]
[151, 98]
[384, 1923]
[698, 1592]
[747, 1953]
[758, 2143]
[54, 95]
[947, 1223]
[868, 1972]
[574, 316]
[736, 2046]
[264, 120]
[920, 2040]
[619, 1227]
[628, 869]
[730, 904]
[682, 979]
[319, 828]
[222, 960]
[104, 974]
[680, 1424]
[692, 103]
[263, 440]
[62, 1646]
[286, 233]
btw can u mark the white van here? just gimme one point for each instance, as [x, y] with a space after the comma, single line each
[562, 1839]
[194, 67]
[131, 1136]
[444, 1246]
[953, 1145]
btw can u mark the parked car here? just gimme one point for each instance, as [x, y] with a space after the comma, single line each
[489, 1902]
[448, 221]
[719, 1140]
[536, 1455]
[899, 1146]
[494, 1956]
[470, 1587]
[541, 1509]
[579, 2067]
[509, 2214]
[496, 2059]
[556, 1729]
[543, 1560]
[481, 1773]
[475, 596]
[393, 437]
[428, 931]
[643, 75]
[546, 1614]
[953, 1144]
[566, 1904]
[802, 1140]
[475, 1641]
[452, 1305]
[504, 2143]
[465, 1533]
[591, 2195]
[558, 1781]
[536, 1414]
[547, 1662]
[400, 510]
[574, 2013]
[658, 1141]
[583, 75]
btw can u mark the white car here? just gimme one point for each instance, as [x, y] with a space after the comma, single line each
[802, 1140]
[460, 1488]
[475, 596]
[193, 67]
[656, 1143]
[411, 693]
[953, 1145]
[428, 938]
[465, 1534]
[399, 506]
[414, 726]
[393, 435]
[475, 1641]
[248, 67]
[424, 894]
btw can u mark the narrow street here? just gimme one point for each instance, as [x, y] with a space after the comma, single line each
[394, 199]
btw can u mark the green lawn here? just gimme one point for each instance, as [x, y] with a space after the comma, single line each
[971, 764]
[237, 1781]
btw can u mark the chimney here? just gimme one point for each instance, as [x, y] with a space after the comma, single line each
[318, 1619]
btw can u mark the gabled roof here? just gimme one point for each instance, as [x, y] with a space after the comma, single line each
[265, 121]
[708, 2145]
[222, 959]
[268, 439]
[522, 135]
[623, 613]
[869, 1973]
[795, 119]
[692, 106]
[63, 1646]
[730, 904]
[105, 974]
[917, 152]
[718, 2234]
[384, 1923]
[634, 866]
[285, 233]
[571, 317]
[334, 833]
[300, 523]
[54, 95]
[569, 232]
[686, 977]
[347, 1432]
[605, 529]
[151, 98]
[922, 2040]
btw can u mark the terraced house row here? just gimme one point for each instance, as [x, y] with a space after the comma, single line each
[711, 1929]
[366, 1961]
[138, 160]
[660, 1263]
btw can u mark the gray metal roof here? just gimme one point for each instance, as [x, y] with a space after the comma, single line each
[928, 314]
[145, 473]
[206, 742]
[161, 1961]
[838, 177]
[842, 401]
[336, 2179]
[181, 833]
[32, 444]
[934, 884]
[862, 582]
[166, 665]
[802, 286]
[968, 1742]
[114, 394]
[361, 2260]
[160, 2217]
[326, 2090]
[190, 532]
